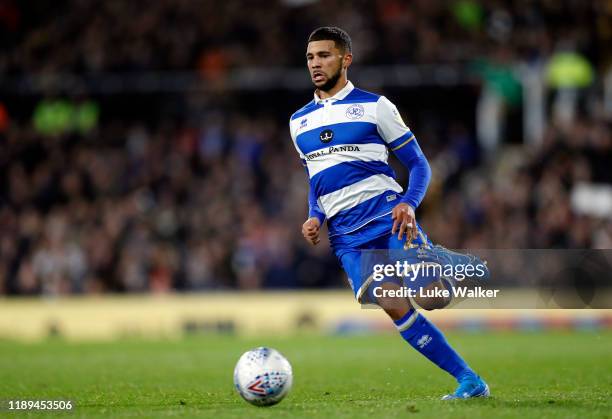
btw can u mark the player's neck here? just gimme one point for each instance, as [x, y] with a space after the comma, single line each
[340, 84]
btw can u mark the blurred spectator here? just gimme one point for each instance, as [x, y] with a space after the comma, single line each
[4, 118]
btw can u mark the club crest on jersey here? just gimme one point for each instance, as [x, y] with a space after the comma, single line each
[355, 111]
[326, 136]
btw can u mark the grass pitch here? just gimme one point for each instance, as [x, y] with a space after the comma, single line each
[539, 375]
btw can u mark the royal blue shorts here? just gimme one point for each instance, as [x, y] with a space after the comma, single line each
[351, 259]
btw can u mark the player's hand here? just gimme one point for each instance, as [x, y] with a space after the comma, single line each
[310, 230]
[404, 221]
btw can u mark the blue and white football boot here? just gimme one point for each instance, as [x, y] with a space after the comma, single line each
[443, 256]
[470, 386]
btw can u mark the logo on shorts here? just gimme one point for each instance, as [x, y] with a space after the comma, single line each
[355, 111]
[326, 136]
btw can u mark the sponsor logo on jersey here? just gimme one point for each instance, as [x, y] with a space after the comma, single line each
[331, 150]
[326, 136]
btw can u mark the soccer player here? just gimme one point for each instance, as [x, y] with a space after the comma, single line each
[343, 136]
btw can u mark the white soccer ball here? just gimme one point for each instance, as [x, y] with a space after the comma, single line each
[263, 376]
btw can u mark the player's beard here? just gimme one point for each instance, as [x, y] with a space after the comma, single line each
[331, 82]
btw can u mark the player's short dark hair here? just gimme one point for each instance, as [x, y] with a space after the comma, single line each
[333, 33]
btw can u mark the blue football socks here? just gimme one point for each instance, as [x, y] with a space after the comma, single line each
[430, 342]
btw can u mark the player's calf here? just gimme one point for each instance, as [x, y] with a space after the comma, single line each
[427, 339]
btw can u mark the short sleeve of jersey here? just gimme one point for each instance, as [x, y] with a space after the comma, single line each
[293, 139]
[389, 122]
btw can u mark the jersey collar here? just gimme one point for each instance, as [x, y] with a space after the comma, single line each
[342, 93]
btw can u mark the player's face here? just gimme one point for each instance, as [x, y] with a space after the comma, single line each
[325, 63]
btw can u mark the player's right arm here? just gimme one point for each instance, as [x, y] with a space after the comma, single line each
[311, 229]
[316, 217]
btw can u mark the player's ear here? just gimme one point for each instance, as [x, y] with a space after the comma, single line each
[347, 60]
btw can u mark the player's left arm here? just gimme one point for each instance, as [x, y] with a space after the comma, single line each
[404, 145]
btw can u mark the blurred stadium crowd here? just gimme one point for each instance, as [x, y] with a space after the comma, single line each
[94, 204]
[117, 35]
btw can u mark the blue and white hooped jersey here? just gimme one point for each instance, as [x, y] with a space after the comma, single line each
[344, 142]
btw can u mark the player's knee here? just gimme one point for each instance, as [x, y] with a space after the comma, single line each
[433, 303]
[395, 307]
